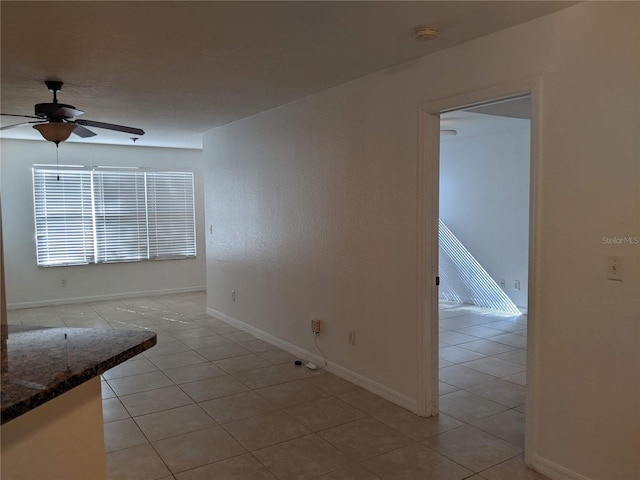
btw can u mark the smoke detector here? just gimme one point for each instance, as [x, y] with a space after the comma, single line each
[425, 33]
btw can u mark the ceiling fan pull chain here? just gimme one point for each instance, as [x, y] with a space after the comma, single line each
[57, 164]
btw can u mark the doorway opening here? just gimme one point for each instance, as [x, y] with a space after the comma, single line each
[428, 299]
[483, 257]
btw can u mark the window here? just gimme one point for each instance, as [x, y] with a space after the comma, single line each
[90, 215]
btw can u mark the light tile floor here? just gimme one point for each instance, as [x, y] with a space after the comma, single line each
[210, 401]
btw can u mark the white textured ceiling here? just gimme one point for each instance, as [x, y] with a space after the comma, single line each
[177, 69]
[470, 124]
[487, 119]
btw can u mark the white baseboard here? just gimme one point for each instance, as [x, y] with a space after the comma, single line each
[343, 372]
[372, 386]
[555, 471]
[98, 298]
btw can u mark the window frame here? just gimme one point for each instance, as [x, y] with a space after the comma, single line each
[108, 187]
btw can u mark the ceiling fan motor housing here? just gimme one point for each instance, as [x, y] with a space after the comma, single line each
[52, 110]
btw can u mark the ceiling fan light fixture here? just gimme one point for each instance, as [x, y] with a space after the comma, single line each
[55, 131]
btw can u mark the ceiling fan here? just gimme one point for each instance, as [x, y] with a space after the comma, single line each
[57, 121]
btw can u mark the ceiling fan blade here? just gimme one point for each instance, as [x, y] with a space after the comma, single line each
[22, 116]
[83, 132]
[67, 112]
[20, 124]
[110, 126]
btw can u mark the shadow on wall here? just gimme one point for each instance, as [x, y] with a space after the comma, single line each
[463, 280]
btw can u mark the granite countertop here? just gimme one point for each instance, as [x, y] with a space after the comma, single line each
[41, 363]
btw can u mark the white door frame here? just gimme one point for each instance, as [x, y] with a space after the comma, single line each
[427, 241]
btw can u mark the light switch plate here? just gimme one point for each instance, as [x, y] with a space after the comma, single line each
[614, 268]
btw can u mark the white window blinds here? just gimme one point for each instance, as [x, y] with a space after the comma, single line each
[64, 217]
[171, 208]
[103, 216]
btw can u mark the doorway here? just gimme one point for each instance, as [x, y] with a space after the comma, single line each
[483, 235]
[428, 266]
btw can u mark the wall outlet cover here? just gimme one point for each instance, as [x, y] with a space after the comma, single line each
[315, 326]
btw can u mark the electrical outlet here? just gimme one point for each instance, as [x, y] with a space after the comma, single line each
[516, 284]
[352, 337]
[315, 326]
[233, 295]
[64, 282]
[503, 284]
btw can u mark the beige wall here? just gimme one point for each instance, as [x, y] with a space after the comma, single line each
[313, 207]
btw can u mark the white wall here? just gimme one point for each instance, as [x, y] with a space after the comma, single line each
[28, 285]
[484, 200]
[314, 213]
